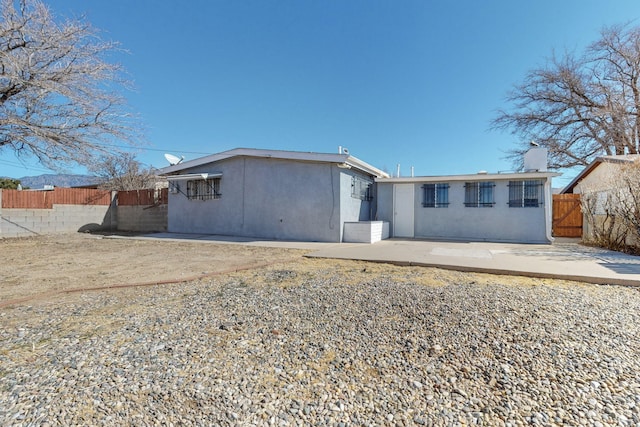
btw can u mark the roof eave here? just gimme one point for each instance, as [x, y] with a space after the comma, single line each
[591, 166]
[335, 158]
[471, 177]
[366, 167]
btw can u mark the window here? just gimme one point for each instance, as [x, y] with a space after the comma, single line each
[479, 194]
[203, 189]
[435, 195]
[361, 188]
[525, 194]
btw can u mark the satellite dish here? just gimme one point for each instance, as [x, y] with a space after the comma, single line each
[345, 151]
[173, 160]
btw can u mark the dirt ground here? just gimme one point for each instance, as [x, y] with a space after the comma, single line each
[45, 268]
[47, 265]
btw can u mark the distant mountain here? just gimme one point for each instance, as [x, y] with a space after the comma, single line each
[57, 180]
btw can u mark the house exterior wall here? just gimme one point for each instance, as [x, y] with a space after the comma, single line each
[384, 201]
[352, 208]
[458, 222]
[599, 179]
[267, 198]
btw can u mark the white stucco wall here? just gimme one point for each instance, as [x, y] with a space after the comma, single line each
[600, 179]
[458, 222]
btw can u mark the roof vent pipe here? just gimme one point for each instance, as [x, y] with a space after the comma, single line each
[411, 171]
[398, 170]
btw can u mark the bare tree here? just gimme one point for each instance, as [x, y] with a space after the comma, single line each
[59, 97]
[581, 107]
[123, 172]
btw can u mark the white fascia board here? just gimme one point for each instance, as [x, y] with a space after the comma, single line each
[196, 162]
[254, 152]
[471, 177]
[277, 154]
[366, 167]
[193, 176]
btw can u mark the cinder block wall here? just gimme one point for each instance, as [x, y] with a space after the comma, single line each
[69, 218]
[142, 218]
[60, 219]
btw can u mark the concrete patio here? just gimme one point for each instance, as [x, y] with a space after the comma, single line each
[564, 259]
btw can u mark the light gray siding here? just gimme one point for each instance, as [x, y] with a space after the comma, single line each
[458, 222]
[270, 198]
[352, 208]
[384, 201]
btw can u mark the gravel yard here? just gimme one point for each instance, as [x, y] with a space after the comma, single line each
[323, 342]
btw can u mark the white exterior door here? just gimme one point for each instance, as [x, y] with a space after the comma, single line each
[403, 207]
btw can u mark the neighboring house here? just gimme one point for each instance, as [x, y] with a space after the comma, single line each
[273, 194]
[598, 173]
[602, 190]
[504, 207]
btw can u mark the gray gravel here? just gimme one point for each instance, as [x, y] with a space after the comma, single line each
[304, 349]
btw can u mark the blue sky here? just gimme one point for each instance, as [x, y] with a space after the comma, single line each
[414, 83]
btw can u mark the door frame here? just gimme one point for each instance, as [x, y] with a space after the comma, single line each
[408, 209]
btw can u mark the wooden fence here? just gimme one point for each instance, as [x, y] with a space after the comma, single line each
[143, 197]
[567, 215]
[45, 199]
[25, 199]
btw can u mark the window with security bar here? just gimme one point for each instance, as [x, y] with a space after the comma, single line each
[361, 188]
[479, 194]
[435, 195]
[203, 189]
[525, 194]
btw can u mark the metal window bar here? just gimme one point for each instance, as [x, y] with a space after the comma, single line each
[203, 189]
[361, 188]
[429, 195]
[442, 195]
[435, 195]
[479, 194]
[525, 194]
[532, 194]
[485, 194]
[471, 194]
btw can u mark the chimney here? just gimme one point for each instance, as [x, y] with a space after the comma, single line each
[535, 160]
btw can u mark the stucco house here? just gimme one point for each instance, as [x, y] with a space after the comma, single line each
[324, 197]
[273, 194]
[501, 207]
[606, 198]
[597, 176]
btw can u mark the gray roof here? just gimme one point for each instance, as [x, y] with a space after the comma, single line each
[341, 159]
[471, 177]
